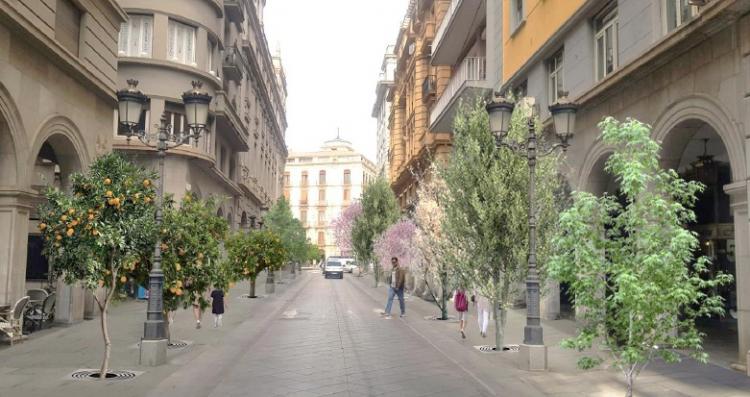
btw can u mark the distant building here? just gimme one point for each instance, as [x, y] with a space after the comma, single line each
[381, 110]
[319, 185]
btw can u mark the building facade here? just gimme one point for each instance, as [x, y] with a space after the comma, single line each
[240, 157]
[682, 67]
[413, 146]
[381, 110]
[319, 185]
[58, 77]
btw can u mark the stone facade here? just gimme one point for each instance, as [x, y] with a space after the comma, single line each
[58, 77]
[381, 110]
[688, 77]
[417, 84]
[241, 156]
[319, 185]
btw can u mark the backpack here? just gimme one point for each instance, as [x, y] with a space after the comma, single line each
[461, 303]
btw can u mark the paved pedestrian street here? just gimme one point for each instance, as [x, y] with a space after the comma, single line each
[318, 337]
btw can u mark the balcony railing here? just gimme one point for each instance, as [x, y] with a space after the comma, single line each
[471, 69]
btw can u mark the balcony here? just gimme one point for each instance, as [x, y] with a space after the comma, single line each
[233, 10]
[468, 82]
[232, 65]
[429, 88]
[229, 124]
[463, 19]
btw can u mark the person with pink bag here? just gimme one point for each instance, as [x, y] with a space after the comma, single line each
[461, 303]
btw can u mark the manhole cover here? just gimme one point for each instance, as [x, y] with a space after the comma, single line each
[491, 348]
[177, 344]
[93, 374]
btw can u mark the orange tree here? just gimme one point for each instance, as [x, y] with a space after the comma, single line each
[248, 254]
[96, 234]
[191, 236]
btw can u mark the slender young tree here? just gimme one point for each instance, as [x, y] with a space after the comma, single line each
[486, 208]
[281, 221]
[98, 234]
[379, 210]
[633, 265]
[248, 254]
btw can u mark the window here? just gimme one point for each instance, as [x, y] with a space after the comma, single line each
[303, 197]
[347, 195]
[555, 65]
[287, 179]
[136, 36]
[321, 239]
[321, 195]
[181, 43]
[68, 25]
[321, 217]
[322, 178]
[303, 180]
[605, 50]
[347, 177]
[517, 15]
[303, 217]
[678, 12]
[210, 56]
[521, 90]
[175, 115]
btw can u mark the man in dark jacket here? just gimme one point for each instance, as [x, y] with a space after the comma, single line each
[396, 281]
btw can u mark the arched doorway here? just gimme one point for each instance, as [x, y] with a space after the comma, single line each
[695, 149]
[243, 221]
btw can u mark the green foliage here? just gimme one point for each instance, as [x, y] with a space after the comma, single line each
[487, 209]
[379, 210]
[248, 254]
[281, 221]
[98, 232]
[632, 265]
[191, 235]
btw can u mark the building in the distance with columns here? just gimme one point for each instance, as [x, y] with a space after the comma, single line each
[165, 44]
[319, 185]
[381, 110]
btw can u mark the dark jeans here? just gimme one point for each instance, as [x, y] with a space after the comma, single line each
[395, 292]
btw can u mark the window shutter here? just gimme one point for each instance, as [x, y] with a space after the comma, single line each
[135, 37]
[172, 42]
[190, 49]
[146, 42]
[122, 43]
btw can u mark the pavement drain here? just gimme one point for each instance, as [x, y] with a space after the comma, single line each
[93, 375]
[491, 348]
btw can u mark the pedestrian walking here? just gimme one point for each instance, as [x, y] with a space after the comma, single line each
[217, 306]
[461, 304]
[483, 313]
[396, 281]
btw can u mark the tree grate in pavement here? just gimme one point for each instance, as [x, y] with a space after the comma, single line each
[450, 319]
[491, 348]
[93, 374]
[177, 344]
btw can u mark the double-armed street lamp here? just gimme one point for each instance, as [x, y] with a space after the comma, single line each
[533, 352]
[131, 103]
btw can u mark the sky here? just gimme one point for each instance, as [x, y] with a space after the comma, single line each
[332, 51]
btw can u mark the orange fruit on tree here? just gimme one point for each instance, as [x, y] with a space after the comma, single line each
[58, 237]
[146, 183]
[107, 181]
[70, 232]
[71, 211]
[64, 218]
[42, 226]
[123, 279]
[108, 193]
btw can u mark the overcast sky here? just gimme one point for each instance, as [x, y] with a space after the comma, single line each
[332, 51]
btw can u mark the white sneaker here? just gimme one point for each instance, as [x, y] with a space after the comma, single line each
[387, 317]
[403, 315]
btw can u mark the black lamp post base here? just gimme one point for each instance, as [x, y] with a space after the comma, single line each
[533, 335]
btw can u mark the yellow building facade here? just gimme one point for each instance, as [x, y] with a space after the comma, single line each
[417, 85]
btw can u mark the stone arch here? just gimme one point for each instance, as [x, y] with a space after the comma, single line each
[591, 175]
[13, 145]
[705, 109]
[60, 135]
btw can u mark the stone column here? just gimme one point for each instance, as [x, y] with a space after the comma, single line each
[738, 196]
[14, 216]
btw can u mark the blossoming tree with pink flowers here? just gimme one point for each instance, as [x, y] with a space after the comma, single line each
[398, 240]
[342, 228]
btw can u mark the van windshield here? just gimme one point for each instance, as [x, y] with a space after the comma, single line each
[333, 264]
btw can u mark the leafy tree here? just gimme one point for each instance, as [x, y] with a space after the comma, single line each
[289, 229]
[399, 241]
[343, 225]
[97, 234]
[191, 256]
[632, 264]
[379, 210]
[437, 251]
[486, 208]
[248, 254]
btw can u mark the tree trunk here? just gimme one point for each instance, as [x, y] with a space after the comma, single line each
[252, 287]
[629, 381]
[499, 330]
[166, 326]
[105, 332]
[443, 296]
[377, 274]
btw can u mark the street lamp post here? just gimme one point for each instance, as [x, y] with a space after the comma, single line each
[533, 352]
[131, 102]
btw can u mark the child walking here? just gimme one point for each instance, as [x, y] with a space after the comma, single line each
[462, 307]
[217, 306]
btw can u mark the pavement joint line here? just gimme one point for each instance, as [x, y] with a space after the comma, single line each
[451, 359]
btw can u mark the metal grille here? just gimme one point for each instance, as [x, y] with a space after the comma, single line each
[177, 344]
[93, 374]
[491, 348]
